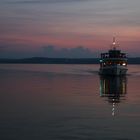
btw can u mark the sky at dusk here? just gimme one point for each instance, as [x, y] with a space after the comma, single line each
[68, 28]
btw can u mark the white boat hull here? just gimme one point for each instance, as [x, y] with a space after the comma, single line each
[113, 70]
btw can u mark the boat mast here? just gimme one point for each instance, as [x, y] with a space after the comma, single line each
[114, 45]
[114, 40]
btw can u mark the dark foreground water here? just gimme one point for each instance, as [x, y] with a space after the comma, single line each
[68, 102]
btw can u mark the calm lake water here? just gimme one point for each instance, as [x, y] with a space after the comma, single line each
[68, 102]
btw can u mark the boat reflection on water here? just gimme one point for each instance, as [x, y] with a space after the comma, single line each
[114, 88]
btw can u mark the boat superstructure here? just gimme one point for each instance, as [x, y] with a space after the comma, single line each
[114, 62]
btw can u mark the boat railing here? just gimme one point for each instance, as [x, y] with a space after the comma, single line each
[113, 56]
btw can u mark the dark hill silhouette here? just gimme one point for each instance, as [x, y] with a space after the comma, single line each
[45, 60]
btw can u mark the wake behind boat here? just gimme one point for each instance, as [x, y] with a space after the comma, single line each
[114, 62]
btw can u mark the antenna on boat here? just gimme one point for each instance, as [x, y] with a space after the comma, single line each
[114, 45]
[114, 40]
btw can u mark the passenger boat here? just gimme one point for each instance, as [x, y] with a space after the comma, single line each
[114, 62]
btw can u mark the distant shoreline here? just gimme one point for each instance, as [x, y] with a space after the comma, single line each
[45, 60]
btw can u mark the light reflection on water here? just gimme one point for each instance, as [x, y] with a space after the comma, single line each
[57, 102]
[114, 88]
